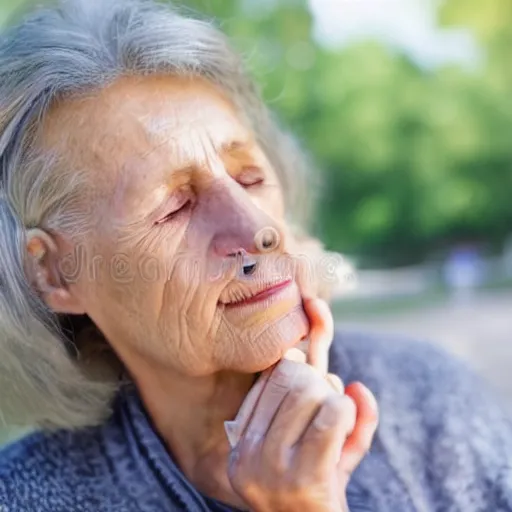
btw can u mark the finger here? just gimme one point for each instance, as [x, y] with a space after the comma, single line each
[319, 449]
[296, 411]
[235, 429]
[275, 390]
[304, 275]
[360, 440]
[335, 382]
[321, 333]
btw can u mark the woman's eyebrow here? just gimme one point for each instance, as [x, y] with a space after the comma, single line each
[179, 173]
[235, 145]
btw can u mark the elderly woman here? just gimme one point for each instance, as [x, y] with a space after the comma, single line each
[152, 299]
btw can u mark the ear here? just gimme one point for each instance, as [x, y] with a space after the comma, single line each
[43, 256]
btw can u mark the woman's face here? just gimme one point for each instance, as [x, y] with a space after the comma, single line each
[178, 188]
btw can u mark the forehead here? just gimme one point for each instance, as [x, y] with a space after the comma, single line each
[136, 120]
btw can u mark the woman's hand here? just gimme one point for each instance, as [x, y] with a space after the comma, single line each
[300, 434]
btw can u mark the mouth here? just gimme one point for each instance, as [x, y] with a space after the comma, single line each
[259, 295]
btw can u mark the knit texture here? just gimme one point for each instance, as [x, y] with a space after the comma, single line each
[443, 444]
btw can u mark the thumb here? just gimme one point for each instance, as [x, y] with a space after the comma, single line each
[321, 333]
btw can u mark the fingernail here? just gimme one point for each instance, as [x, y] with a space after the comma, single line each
[336, 383]
[294, 354]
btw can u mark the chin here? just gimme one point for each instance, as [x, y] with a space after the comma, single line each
[260, 347]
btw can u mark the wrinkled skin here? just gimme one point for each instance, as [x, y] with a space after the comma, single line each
[175, 146]
[299, 434]
[181, 197]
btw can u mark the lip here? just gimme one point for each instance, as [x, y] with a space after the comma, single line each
[262, 295]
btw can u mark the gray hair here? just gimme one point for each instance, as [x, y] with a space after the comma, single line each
[77, 47]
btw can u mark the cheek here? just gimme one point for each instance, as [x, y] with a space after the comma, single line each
[277, 202]
[115, 278]
[271, 202]
[82, 268]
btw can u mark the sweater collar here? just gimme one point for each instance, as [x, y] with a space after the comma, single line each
[152, 453]
[155, 456]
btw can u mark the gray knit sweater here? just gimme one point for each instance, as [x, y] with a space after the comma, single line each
[443, 444]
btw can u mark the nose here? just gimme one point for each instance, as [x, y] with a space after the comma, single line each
[239, 226]
[240, 239]
[267, 239]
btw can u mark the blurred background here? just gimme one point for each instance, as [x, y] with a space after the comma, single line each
[406, 109]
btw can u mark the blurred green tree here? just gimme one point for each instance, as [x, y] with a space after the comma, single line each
[412, 160]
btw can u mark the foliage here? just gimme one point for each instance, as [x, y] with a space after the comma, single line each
[412, 160]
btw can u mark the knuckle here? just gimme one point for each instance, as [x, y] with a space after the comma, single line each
[289, 372]
[304, 385]
[306, 395]
[330, 413]
[281, 463]
[284, 371]
[278, 464]
[251, 492]
[303, 405]
[277, 387]
[244, 480]
[339, 406]
[277, 458]
[303, 490]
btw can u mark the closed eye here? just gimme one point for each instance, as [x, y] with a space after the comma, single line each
[175, 212]
[251, 177]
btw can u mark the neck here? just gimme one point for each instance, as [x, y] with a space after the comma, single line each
[189, 414]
